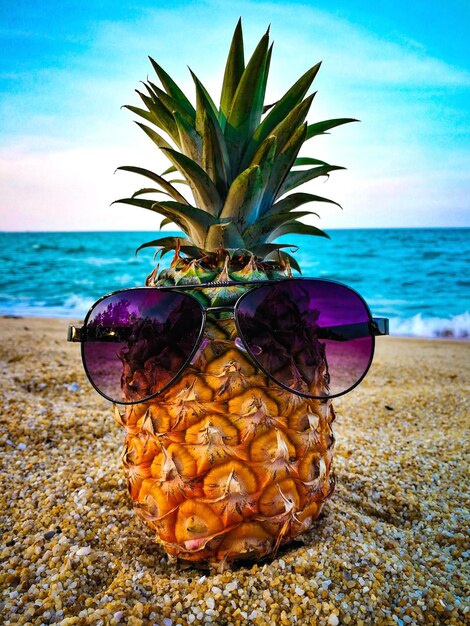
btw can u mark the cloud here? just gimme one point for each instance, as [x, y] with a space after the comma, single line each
[64, 132]
[70, 189]
[355, 54]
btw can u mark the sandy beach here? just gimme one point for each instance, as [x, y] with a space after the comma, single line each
[390, 547]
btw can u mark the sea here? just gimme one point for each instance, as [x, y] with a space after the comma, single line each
[419, 278]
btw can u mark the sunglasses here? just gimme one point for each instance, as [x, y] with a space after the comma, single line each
[313, 337]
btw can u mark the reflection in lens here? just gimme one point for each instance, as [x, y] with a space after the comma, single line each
[137, 341]
[310, 335]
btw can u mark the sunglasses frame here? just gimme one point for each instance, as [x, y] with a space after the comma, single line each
[378, 326]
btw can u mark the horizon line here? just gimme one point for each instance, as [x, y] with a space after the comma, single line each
[50, 232]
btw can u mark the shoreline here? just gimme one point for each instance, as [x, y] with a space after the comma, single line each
[79, 320]
[389, 548]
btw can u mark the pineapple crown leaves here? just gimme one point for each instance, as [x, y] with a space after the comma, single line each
[239, 159]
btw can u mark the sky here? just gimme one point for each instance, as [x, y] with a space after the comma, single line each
[67, 67]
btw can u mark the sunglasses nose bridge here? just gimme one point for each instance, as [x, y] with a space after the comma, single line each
[238, 341]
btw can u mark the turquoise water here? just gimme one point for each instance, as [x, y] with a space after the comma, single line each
[420, 278]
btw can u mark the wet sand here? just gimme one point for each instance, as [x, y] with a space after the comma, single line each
[389, 548]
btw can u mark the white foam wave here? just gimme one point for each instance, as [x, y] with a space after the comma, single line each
[457, 327]
[77, 305]
[99, 261]
[386, 302]
[39, 310]
[123, 279]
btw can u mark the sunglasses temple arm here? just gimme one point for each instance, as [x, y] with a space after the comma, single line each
[75, 334]
[380, 326]
[377, 326]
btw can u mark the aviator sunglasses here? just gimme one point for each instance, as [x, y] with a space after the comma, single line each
[313, 337]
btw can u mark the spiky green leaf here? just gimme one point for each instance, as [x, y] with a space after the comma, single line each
[190, 140]
[264, 157]
[262, 92]
[147, 115]
[162, 241]
[216, 154]
[166, 185]
[292, 202]
[170, 243]
[281, 167]
[145, 190]
[308, 161]
[162, 117]
[148, 204]
[264, 249]
[247, 105]
[260, 231]
[203, 188]
[151, 89]
[190, 251]
[321, 127]
[154, 136]
[171, 104]
[211, 161]
[186, 212]
[169, 170]
[204, 103]
[192, 221]
[296, 228]
[215, 158]
[292, 261]
[294, 179]
[281, 110]
[268, 107]
[234, 69]
[223, 236]
[285, 130]
[172, 89]
[243, 199]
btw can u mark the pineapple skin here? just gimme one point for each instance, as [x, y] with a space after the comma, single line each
[225, 464]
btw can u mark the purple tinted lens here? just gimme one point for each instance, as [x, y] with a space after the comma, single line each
[137, 341]
[310, 335]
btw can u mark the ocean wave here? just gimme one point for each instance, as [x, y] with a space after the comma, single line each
[39, 247]
[78, 305]
[74, 306]
[456, 327]
[99, 261]
[429, 255]
[424, 296]
[384, 302]
[124, 279]
[64, 249]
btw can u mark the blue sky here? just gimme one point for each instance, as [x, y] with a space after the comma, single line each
[402, 68]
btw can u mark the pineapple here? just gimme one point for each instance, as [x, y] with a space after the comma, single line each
[225, 464]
